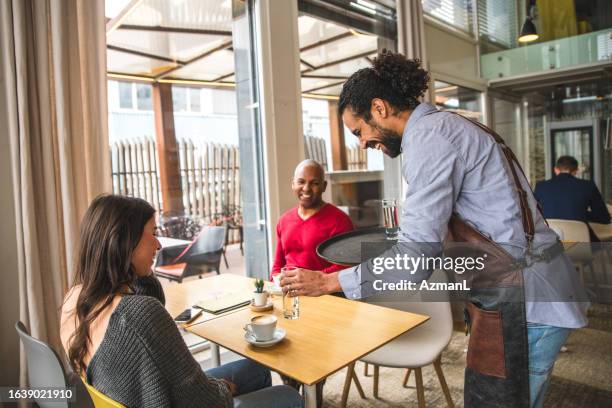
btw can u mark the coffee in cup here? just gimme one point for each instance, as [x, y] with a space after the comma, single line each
[262, 327]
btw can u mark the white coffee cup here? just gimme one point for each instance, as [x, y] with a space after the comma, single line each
[276, 279]
[260, 299]
[262, 327]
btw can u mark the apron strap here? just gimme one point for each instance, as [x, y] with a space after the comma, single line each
[513, 164]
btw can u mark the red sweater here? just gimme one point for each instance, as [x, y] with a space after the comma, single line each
[298, 239]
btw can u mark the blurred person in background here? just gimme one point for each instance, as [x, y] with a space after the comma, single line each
[567, 197]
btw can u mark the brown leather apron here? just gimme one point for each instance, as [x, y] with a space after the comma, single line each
[497, 372]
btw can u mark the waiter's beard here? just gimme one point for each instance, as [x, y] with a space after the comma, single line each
[391, 140]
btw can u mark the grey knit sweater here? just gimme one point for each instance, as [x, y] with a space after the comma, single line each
[143, 361]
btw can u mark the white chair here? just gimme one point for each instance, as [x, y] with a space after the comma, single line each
[45, 369]
[413, 350]
[572, 233]
[575, 237]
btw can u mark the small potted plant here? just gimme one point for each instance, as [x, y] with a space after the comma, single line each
[260, 297]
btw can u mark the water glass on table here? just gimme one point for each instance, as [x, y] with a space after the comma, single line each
[291, 305]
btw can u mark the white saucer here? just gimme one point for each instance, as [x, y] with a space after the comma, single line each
[268, 306]
[279, 335]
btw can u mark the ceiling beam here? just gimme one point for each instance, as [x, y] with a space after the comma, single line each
[181, 30]
[113, 23]
[323, 87]
[129, 77]
[340, 61]
[309, 65]
[222, 77]
[223, 46]
[337, 12]
[325, 77]
[144, 54]
[327, 41]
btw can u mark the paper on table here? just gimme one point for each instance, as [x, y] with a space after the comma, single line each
[225, 302]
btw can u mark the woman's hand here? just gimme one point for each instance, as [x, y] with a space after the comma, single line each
[233, 388]
[304, 282]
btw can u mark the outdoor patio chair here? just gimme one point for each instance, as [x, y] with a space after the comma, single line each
[227, 234]
[178, 225]
[231, 217]
[202, 255]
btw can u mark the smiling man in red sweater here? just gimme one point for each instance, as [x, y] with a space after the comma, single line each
[301, 229]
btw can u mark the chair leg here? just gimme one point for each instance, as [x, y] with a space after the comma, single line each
[241, 241]
[405, 382]
[320, 394]
[438, 366]
[365, 370]
[419, 385]
[358, 384]
[225, 259]
[347, 384]
[375, 383]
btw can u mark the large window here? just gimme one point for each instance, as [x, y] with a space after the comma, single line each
[178, 54]
[189, 99]
[457, 13]
[144, 100]
[498, 22]
[332, 47]
[130, 96]
[126, 99]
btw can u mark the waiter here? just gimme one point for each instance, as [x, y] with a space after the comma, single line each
[464, 184]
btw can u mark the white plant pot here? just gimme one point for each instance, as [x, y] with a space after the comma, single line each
[260, 299]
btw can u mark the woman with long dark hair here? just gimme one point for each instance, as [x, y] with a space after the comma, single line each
[119, 337]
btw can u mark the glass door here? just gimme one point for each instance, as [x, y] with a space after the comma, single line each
[256, 249]
[578, 143]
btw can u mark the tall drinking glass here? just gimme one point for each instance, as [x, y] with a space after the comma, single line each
[291, 305]
[389, 210]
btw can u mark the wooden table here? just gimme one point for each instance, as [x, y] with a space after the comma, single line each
[330, 334]
[603, 231]
[167, 242]
[181, 296]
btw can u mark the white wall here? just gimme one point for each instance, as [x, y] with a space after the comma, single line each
[452, 57]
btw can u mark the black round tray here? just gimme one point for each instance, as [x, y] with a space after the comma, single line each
[345, 249]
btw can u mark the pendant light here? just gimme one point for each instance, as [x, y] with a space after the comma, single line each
[528, 31]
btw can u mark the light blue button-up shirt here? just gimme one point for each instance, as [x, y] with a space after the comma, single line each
[451, 165]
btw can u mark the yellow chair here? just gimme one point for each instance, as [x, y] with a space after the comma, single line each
[100, 400]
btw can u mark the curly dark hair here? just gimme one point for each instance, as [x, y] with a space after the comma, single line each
[392, 77]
